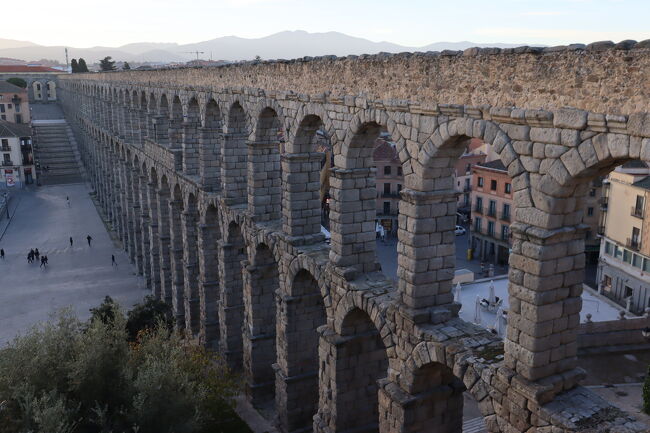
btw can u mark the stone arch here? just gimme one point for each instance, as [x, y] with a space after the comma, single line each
[261, 282]
[210, 235]
[231, 308]
[161, 121]
[300, 315]
[191, 124]
[234, 163]
[355, 362]
[303, 176]
[176, 244]
[354, 208]
[175, 123]
[164, 228]
[190, 222]
[210, 143]
[264, 171]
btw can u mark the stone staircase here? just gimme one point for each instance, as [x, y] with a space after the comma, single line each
[55, 150]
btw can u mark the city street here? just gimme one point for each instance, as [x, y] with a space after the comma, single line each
[79, 276]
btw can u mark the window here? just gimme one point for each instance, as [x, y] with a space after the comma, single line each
[638, 207]
[637, 261]
[492, 210]
[607, 281]
[618, 252]
[646, 265]
[399, 187]
[399, 170]
[386, 208]
[506, 212]
[5, 142]
[592, 192]
[387, 188]
[636, 235]
[608, 248]
[9, 106]
[627, 256]
[505, 232]
[19, 118]
[628, 291]
[478, 223]
[480, 181]
[7, 158]
[387, 170]
[479, 204]
[2, 108]
[493, 185]
[590, 211]
[17, 108]
[507, 188]
[490, 228]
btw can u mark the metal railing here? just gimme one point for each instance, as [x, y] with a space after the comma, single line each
[8, 163]
[492, 212]
[637, 212]
[633, 244]
[505, 216]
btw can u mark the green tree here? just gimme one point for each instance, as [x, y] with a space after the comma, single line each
[126, 66]
[17, 82]
[67, 376]
[82, 65]
[107, 64]
[74, 66]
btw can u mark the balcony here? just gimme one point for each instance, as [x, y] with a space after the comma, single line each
[478, 209]
[505, 216]
[492, 212]
[603, 203]
[637, 212]
[478, 230]
[6, 148]
[633, 244]
[7, 163]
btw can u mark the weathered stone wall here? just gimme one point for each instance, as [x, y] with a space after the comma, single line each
[600, 78]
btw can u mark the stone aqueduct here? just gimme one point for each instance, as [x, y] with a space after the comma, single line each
[223, 221]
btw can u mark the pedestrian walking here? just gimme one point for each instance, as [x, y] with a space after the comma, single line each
[113, 262]
[89, 238]
[37, 254]
[29, 257]
[2, 253]
[67, 199]
[47, 261]
[70, 241]
[43, 261]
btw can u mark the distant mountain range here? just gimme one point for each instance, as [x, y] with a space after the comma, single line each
[283, 45]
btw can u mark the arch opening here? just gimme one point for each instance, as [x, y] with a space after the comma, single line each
[234, 165]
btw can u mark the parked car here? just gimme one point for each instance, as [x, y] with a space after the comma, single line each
[460, 231]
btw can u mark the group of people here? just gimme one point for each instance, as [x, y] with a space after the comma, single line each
[32, 255]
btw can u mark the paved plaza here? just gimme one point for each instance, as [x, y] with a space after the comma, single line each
[79, 276]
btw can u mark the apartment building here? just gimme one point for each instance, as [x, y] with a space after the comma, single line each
[491, 212]
[624, 264]
[389, 180]
[17, 155]
[14, 103]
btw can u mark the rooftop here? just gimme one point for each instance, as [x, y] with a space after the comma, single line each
[26, 69]
[6, 87]
[493, 165]
[384, 151]
[8, 129]
[643, 183]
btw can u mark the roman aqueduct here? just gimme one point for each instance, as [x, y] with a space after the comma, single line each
[211, 180]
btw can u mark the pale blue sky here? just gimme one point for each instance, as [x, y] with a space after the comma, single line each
[84, 23]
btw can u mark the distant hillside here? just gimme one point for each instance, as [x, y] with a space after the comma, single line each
[283, 45]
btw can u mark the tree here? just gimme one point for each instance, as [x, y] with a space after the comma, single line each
[258, 58]
[74, 66]
[82, 65]
[126, 66]
[17, 82]
[107, 64]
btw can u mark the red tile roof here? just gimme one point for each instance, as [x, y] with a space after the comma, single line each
[384, 151]
[26, 68]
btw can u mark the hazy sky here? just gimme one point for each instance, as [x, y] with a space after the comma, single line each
[83, 23]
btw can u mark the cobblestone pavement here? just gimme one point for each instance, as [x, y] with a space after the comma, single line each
[79, 276]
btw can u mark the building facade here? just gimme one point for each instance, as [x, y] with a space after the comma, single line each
[17, 163]
[389, 183]
[491, 212]
[14, 103]
[42, 81]
[624, 264]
